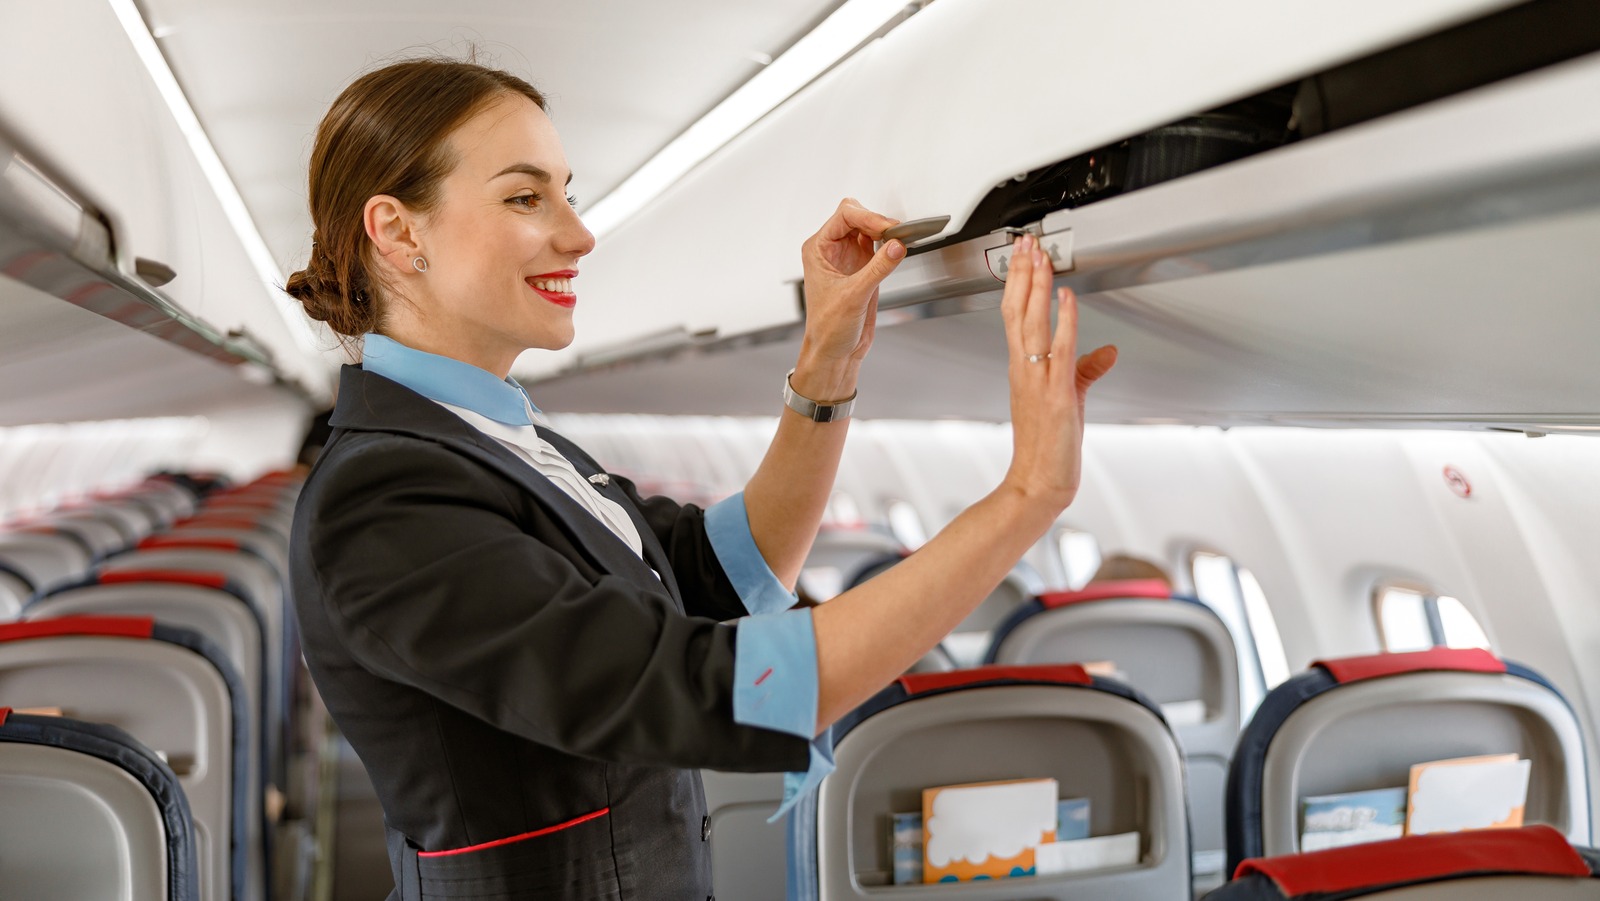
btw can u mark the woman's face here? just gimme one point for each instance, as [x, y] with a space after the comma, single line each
[503, 242]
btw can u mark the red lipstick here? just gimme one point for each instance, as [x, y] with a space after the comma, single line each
[560, 299]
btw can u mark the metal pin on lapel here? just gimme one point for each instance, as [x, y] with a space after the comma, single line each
[600, 479]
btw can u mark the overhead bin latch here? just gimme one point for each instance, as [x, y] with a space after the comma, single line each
[1058, 244]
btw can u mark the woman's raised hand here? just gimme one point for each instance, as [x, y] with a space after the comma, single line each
[842, 273]
[1048, 379]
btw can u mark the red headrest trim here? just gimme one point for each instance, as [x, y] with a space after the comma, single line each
[1063, 673]
[156, 542]
[4, 712]
[124, 626]
[219, 522]
[1144, 589]
[203, 579]
[250, 502]
[1354, 669]
[1539, 850]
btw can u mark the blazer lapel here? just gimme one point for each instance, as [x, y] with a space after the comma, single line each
[369, 402]
[654, 553]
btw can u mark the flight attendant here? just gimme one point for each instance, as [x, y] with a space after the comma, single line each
[531, 660]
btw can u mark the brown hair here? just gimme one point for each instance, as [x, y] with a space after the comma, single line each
[385, 134]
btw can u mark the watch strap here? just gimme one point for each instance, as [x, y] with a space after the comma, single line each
[813, 410]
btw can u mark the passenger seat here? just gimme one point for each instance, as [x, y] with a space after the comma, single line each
[90, 813]
[1175, 650]
[1098, 738]
[1360, 723]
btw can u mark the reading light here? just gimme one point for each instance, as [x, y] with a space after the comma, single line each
[821, 48]
[144, 44]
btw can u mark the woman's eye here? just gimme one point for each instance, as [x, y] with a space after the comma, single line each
[572, 199]
[524, 200]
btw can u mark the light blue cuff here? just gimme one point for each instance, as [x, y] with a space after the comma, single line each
[775, 687]
[798, 785]
[775, 673]
[728, 527]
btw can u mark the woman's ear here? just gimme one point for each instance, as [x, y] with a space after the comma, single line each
[392, 228]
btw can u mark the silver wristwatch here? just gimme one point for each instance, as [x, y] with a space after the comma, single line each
[812, 410]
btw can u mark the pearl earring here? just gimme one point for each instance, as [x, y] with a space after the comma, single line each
[419, 264]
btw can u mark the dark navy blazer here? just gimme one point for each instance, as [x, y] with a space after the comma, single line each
[529, 698]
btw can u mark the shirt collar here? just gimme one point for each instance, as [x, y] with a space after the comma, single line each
[448, 380]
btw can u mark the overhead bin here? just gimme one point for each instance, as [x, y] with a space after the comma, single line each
[928, 119]
[88, 123]
[1371, 276]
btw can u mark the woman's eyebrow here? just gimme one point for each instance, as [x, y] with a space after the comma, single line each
[527, 169]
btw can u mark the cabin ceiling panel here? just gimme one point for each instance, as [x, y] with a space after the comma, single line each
[623, 78]
[62, 363]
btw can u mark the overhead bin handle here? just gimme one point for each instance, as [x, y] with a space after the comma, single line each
[153, 272]
[914, 230]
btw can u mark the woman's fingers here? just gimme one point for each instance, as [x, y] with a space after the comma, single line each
[1094, 365]
[1064, 345]
[1036, 306]
[851, 217]
[1019, 279]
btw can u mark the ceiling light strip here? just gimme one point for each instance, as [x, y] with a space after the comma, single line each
[144, 44]
[812, 55]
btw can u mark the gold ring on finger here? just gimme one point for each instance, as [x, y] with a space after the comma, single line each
[1038, 358]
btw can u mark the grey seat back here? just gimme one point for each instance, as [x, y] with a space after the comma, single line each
[1097, 738]
[173, 700]
[86, 811]
[102, 536]
[14, 594]
[261, 543]
[1362, 723]
[747, 852]
[227, 622]
[1175, 651]
[46, 560]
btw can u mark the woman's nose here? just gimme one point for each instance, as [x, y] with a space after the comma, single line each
[573, 237]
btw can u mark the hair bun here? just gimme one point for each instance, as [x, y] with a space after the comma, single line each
[319, 290]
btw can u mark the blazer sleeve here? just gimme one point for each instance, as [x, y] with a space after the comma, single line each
[429, 581]
[703, 580]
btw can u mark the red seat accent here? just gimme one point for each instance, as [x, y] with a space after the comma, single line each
[1144, 589]
[120, 626]
[1063, 673]
[1355, 669]
[517, 838]
[251, 502]
[4, 712]
[219, 522]
[1536, 850]
[167, 540]
[203, 579]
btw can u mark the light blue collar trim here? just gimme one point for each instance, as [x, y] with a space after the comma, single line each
[447, 380]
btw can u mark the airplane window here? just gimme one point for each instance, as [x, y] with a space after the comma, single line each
[1080, 556]
[822, 583]
[1415, 619]
[1403, 620]
[906, 525]
[1461, 630]
[1264, 628]
[843, 510]
[1233, 592]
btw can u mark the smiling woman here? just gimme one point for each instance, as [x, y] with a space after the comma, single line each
[388, 167]
[528, 656]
